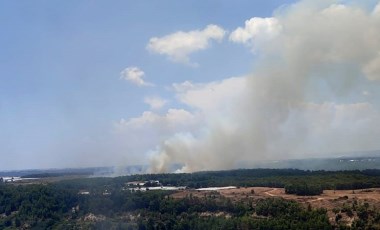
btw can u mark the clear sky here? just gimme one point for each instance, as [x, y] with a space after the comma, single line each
[77, 77]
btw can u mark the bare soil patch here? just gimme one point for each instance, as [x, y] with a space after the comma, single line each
[329, 199]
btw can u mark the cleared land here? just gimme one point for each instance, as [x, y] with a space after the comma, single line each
[371, 195]
[332, 200]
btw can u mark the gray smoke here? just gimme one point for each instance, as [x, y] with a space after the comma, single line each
[314, 90]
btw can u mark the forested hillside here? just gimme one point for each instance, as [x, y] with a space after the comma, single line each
[107, 203]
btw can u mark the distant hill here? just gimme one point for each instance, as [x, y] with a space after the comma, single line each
[51, 172]
[346, 161]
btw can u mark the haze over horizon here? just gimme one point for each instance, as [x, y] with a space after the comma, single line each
[208, 84]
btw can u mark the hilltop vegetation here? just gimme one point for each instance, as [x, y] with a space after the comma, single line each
[270, 178]
[106, 203]
[48, 207]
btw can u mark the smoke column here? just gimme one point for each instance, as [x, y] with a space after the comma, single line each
[314, 90]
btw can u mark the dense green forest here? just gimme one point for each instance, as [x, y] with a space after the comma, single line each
[270, 178]
[107, 205]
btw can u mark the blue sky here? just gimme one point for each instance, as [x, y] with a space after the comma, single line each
[61, 91]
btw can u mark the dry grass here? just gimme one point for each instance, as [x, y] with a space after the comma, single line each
[329, 199]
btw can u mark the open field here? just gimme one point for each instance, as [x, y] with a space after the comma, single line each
[331, 200]
[368, 195]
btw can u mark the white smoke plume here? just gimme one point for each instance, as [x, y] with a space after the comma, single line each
[303, 98]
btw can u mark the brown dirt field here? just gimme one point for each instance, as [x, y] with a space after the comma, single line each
[329, 199]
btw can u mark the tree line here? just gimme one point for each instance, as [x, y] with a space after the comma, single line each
[60, 205]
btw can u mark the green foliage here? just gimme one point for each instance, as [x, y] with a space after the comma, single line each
[303, 189]
[35, 203]
[340, 180]
[60, 206]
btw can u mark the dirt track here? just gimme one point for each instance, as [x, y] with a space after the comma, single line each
[329, 199]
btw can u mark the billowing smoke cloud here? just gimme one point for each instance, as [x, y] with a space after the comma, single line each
[303, 98]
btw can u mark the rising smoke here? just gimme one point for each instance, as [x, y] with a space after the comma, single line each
[313, 90]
